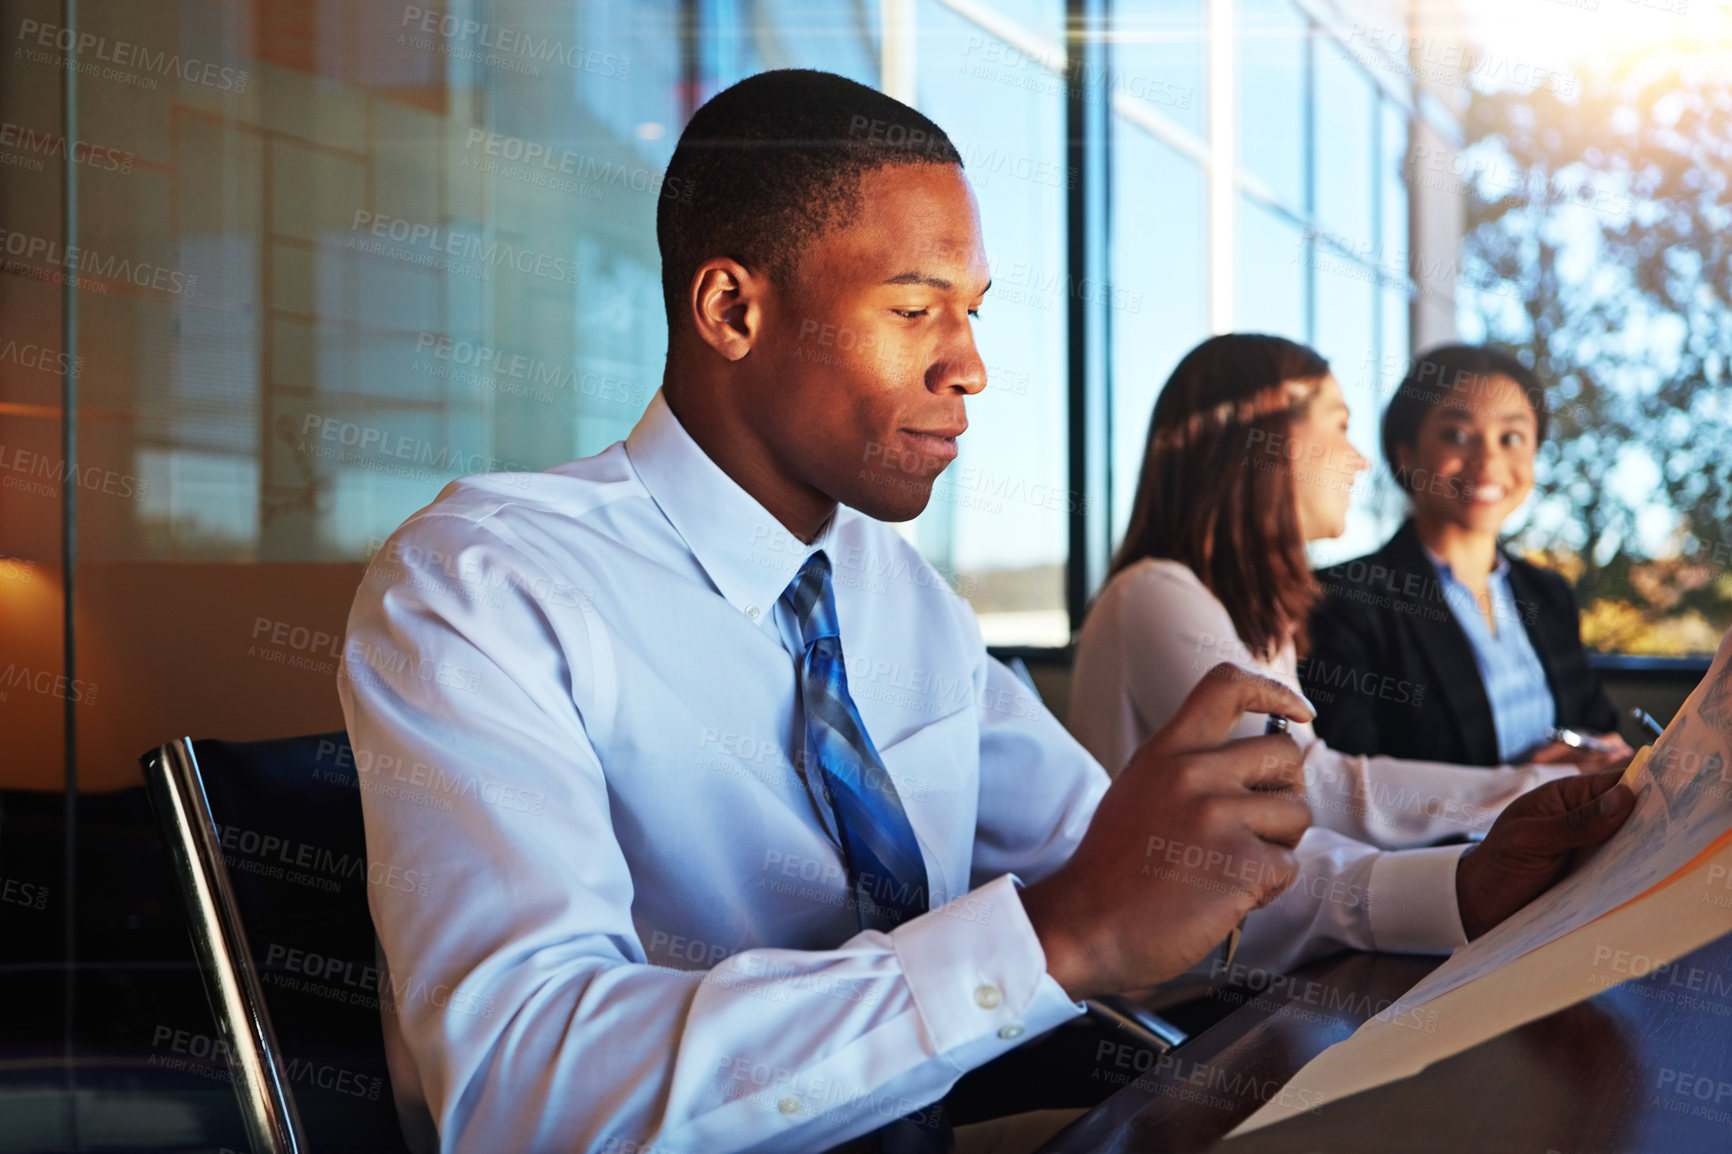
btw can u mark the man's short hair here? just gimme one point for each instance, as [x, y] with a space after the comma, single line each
[769, 165]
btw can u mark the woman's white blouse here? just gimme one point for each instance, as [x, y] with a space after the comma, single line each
[1156, 631]
[1150, 637]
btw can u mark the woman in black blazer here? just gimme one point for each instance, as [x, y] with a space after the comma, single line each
[1406, 639]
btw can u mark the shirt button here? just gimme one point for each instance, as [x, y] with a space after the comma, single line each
[1011, 1032]
[789, 1105]
[752, 612]
[988, 997]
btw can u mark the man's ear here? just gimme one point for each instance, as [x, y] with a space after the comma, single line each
[727, 302]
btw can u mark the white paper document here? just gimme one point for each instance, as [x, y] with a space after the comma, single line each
[1683, 787]
[1631, 900]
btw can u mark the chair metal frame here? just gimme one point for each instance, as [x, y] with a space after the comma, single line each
[261, 1083]
[232, 983]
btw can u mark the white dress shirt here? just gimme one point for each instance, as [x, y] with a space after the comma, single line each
[572, 697]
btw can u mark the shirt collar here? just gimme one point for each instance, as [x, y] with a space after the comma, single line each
[748, 555]
[1499, 565]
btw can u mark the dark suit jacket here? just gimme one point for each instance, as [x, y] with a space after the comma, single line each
[1391, 671]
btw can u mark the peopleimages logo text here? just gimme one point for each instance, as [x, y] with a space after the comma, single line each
[91, 263]
[54, 146]
[506, 43]
[124, 54]
[461, 245]
[582, 166]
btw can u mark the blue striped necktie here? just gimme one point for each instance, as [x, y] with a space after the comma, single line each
[883, 858]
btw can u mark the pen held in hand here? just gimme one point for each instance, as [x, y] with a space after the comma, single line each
[1647, 722]
[1275, 724]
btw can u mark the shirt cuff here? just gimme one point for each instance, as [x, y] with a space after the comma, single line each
[1413, 904]
[978, 975]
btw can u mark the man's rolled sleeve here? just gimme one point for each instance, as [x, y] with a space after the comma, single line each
[1413, 906]
[978, 976]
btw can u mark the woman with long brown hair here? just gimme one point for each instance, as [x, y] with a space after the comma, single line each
[1247, 459]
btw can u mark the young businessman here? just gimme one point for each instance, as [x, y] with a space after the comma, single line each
[738, 838]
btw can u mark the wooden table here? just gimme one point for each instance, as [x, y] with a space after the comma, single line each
[1645, 1065]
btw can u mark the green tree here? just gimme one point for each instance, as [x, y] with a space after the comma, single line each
[1599, 248]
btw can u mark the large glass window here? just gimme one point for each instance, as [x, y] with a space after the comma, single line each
[1347, 318]
[1392, 177]
[998, 518]
[745, 37]
[1273, 42]
[1347, 126]
[1322, 250]
[1272, 279]
[1160, 267]
[1159, 223]
[396, 248]
[1158, 59]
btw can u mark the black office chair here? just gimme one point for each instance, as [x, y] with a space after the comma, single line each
[268, 846]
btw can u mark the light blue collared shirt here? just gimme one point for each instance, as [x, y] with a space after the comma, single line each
[574, 707]
[1522, 706]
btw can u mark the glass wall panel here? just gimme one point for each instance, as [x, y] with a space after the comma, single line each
[1392, 179]
[744, 37]
[1393, 302]
[1158, 229]
[1347, 128]
[1347, 316]
[382, 249]
[998, 519]
[1272, 97]
[1159, 57]
[1273, 256]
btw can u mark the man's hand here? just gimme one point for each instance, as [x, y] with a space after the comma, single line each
[1531, 844]
[1190, 837]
